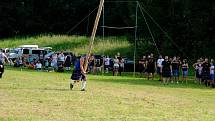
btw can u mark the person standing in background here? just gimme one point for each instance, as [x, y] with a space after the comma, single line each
[159, 66]
[107, 64]
[166, 70]
[184, 68]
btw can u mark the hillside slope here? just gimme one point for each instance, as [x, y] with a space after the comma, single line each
[76, 44]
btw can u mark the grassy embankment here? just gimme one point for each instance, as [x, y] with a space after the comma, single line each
[76, 44]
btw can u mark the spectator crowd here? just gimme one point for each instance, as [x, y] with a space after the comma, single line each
[169, 70]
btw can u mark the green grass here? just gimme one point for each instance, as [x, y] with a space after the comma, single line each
[43, 96]
[76, 44]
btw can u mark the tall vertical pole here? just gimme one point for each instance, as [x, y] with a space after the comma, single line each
[103, 37]
[135, 39]
[103, 29]
[92, 38]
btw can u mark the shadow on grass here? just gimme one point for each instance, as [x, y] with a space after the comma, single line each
[44, 89]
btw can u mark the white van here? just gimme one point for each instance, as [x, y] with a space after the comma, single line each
[29, 46]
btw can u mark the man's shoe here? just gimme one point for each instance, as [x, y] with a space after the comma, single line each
[71, 86]
[83, 90]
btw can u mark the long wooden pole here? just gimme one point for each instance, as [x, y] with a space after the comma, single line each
[92, 38]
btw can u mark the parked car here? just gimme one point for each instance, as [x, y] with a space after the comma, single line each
[129, 65]
[14, 53]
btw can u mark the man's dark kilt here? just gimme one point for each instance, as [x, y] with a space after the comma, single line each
[77, 75]
[1, 70]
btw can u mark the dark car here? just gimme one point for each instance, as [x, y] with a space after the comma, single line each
[128, 65]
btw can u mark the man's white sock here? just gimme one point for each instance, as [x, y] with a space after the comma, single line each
[84, 83]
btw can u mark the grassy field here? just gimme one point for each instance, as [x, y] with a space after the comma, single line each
[76, 44]
[43, 96]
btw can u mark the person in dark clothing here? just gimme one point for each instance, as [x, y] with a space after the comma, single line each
[68, 62]
[1, 69]
[121, 63]
[175, 69]
[184, 68]
[166, 70]
[98, 65]
[151, 67]
[206, 72]
[142, 65]
[79, 73]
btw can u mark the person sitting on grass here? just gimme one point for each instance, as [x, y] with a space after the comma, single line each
[184, 68]
[31, 65]
[166, 70]
[38, 66]
[18, 62]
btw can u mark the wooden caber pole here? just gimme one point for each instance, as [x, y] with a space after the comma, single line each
[92, 38]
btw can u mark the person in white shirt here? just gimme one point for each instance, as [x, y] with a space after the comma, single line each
[61, 57]
[159, 66]
[115, 66]
[38, 66]
[3, 57]
[2, 60]
[107, 64]
[54, 62]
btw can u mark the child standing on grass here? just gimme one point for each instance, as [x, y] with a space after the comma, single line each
[184, 68]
